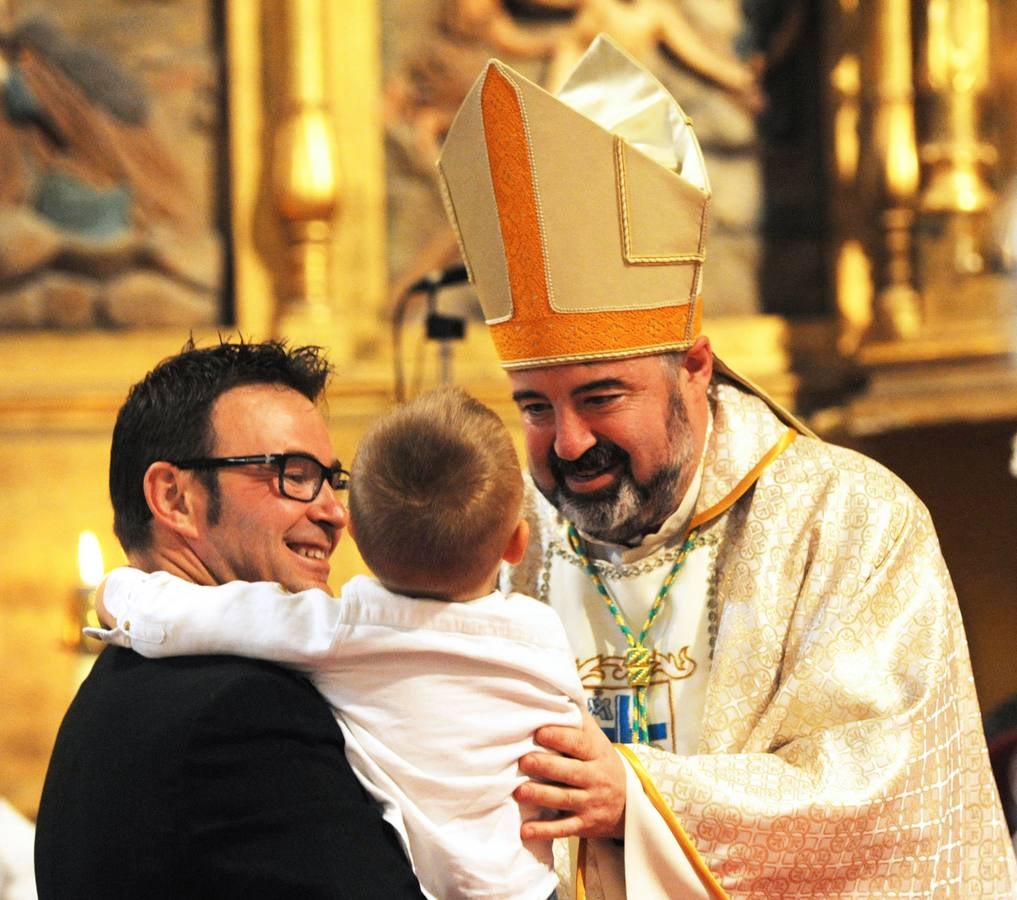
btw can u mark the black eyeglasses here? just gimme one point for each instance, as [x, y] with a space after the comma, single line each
[300, 475]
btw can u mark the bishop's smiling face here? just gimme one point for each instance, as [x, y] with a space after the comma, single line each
[258, 534]
[612, 444]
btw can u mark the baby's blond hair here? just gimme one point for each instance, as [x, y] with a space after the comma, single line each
[435, 494]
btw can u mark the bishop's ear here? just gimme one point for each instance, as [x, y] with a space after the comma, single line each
[173, 497]
[698, 361]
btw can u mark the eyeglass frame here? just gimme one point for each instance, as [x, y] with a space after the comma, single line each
[337, 477]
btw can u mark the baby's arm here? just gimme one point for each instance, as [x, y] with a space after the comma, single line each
[158, 614]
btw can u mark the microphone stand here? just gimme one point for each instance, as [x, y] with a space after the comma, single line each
[439, 327]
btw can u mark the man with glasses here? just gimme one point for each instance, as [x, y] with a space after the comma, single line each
[206, 775]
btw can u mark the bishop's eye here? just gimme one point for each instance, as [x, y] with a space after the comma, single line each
[599, 400]
[534, 408]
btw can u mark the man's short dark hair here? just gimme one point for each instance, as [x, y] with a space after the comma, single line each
[167, 416]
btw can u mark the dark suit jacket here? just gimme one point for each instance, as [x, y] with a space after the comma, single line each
[207, 776]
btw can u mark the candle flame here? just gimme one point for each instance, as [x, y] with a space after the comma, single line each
[90, 566]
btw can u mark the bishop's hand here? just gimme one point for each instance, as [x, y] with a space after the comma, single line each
[584, 780]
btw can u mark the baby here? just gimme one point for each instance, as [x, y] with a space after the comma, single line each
[437, 679]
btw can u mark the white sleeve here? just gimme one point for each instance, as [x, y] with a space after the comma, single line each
[158, 614]
[17, 868]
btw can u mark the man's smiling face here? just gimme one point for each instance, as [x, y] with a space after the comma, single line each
[612, 444]
[258, 534]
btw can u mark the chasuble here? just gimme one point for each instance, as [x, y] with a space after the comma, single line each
[812, 718]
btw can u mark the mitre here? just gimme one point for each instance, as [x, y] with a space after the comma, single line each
[582, 215]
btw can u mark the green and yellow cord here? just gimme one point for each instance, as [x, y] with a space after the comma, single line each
[638, 657]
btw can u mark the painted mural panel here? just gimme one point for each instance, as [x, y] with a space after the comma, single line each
[109, 149]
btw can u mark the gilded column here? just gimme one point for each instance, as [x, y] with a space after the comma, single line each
[958, 70]
[305, 177]
[898, 305]
[843, 95]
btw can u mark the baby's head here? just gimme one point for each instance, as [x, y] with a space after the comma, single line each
[435, 496]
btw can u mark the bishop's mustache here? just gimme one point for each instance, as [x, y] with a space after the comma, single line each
[600, 456]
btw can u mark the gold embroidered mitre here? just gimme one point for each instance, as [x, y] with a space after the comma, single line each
[581, 216]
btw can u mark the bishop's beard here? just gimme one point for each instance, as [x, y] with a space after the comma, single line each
[628, 509]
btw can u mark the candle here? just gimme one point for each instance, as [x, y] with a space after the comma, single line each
[90, 569]
[81, 611]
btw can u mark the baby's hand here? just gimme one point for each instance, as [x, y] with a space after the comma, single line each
[100, 608]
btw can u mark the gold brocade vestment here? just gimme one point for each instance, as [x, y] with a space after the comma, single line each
[840, 750]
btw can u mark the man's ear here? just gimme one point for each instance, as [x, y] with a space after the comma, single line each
[698, 361]
[517, 543]
[171, 494]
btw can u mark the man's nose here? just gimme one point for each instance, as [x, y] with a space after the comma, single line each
[572, 436]
[328, 509]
